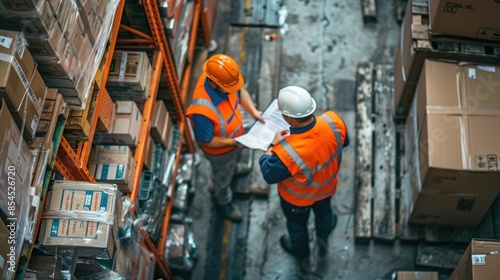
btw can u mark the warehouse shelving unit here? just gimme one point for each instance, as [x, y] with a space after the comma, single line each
[72, 164]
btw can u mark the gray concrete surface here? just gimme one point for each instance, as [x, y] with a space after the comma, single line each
[321, 44]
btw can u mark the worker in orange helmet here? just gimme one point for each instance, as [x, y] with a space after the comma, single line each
[217, 119]
[305, 161]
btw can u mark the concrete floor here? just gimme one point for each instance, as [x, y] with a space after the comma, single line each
[321, 45]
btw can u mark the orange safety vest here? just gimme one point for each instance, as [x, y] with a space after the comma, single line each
[227, 118]
[313, 159]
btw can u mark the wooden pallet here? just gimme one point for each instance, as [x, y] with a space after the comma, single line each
[382, 195]
[363, 165]
[369, 9]
[375, 154]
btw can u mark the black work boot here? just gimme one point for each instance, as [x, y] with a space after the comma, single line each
[303, 261]
[231, 212]
[323, 242]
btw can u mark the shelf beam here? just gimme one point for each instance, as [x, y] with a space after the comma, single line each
[162, 265]
[153, 15]
[70, 164]
[166, 217]
[136, 32]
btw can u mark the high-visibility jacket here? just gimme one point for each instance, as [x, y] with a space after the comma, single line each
[227, 118]
[313, 159]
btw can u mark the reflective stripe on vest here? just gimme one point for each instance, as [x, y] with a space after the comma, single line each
[222, 122]
[310, 196]
[308, 173]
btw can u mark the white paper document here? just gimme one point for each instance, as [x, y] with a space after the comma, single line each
[260, 134]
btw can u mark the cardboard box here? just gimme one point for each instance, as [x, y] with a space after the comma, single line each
[411, 54]
[458, 88]
[21, 5]
[51, 46]
[113, 165]
[129, 71]
[459, 127]
[126, 127]
[158, 122]
[106, 113]
[447, 18]
[148, 158]
[15, 155]
[39, 21]
[31, 107]
[16, 69]
[460, 210]
[481, 261]
[417, 275]
[5, 249]
[88, 237]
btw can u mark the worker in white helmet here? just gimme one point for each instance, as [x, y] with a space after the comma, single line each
[304, 161]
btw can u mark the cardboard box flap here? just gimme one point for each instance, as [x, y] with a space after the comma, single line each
[484, 258]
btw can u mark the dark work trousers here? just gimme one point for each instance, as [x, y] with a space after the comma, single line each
[296, 223]
[223, 167]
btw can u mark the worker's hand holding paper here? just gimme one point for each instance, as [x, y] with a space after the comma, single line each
[260, 134]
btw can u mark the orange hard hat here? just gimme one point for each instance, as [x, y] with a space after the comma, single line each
[224, 71]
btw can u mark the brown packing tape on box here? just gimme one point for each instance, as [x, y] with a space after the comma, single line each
[458, 124]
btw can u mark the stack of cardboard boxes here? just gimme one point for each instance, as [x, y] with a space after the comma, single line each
[452, 133]
[21, 85]
[15, 163]
[66, 38]
[448, 96]
[452, 118]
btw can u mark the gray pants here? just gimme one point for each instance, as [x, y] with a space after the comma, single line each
[223, 168]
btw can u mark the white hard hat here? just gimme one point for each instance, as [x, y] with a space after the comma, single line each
[295, 102]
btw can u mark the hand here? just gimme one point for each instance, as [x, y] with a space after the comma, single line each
[258, 116]
[280, 135]
[236, 143]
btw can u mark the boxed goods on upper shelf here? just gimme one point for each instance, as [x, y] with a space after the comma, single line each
[67, 38]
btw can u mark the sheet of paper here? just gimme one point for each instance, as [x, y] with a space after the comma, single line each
[260, 134]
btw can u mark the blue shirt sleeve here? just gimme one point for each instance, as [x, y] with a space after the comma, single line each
[346, 140]
[203, 128]
[272, 168]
